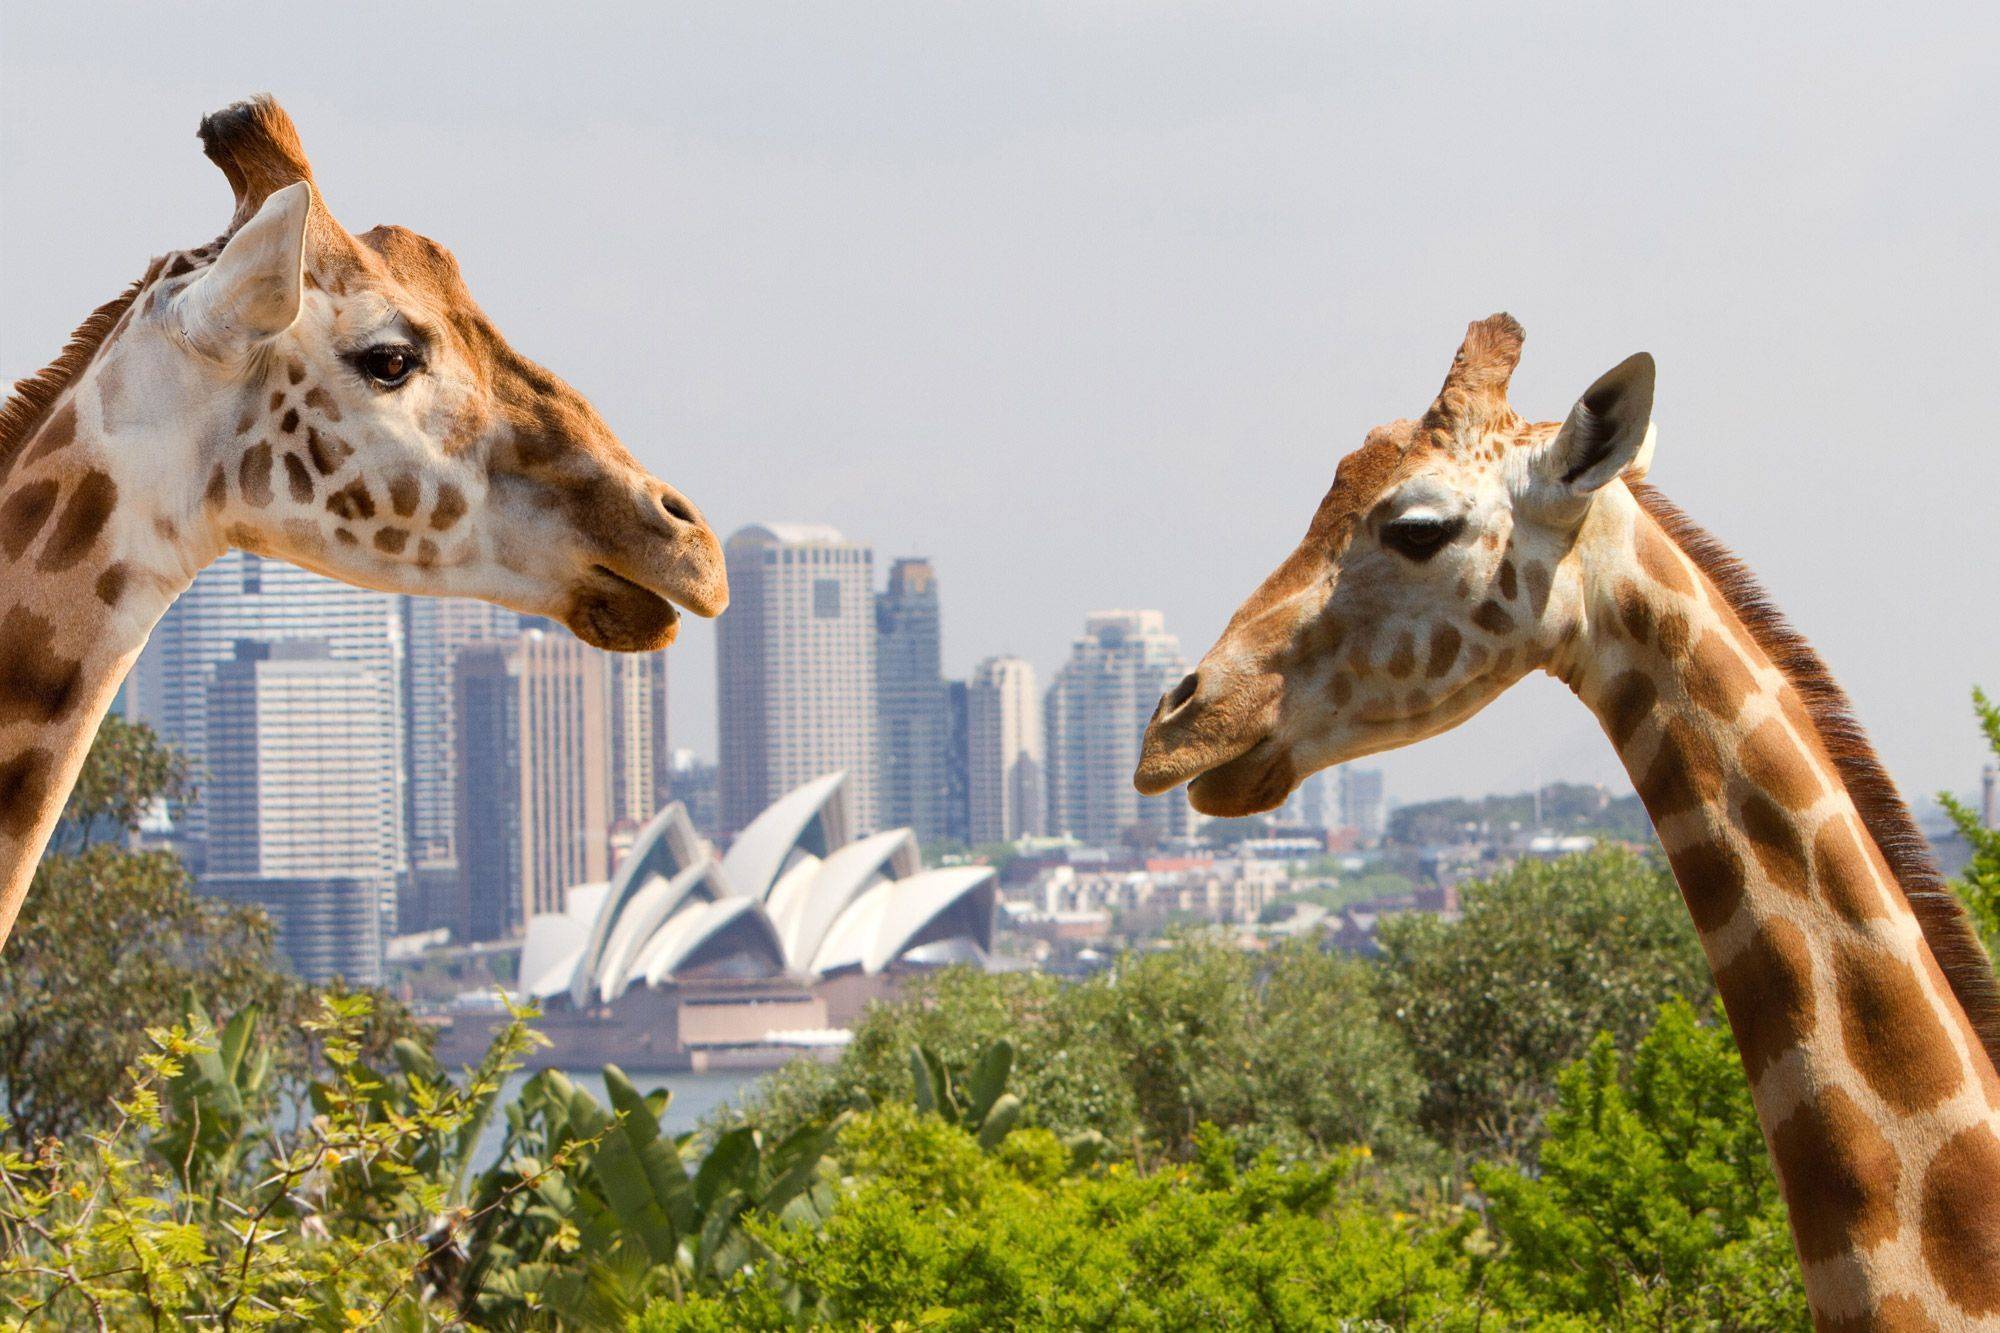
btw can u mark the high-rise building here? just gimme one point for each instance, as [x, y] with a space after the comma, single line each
[1097, 713]
[434, 629]
[243, 596]
[302, 815]
[957, 763]
[795, 668]
[555, 755]
[1362, 807]
[910, 704]
[1004, 763]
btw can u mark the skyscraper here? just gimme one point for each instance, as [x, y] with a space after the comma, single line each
[795, 668]
[434, 629]
[957, 764]
[243, 596]
[1362, 807]
[1097, 712]
[301, 804]
[1004, 755]
[910, 701]
[554, 752]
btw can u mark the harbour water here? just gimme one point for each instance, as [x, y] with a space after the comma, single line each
[694, 1096]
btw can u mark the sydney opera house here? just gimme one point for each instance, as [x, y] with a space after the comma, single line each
[690, 957]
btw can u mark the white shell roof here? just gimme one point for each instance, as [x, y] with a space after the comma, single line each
[771, 903]
[758, 856]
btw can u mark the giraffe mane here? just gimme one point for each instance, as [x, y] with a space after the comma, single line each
[1946, 926]
[35, 396]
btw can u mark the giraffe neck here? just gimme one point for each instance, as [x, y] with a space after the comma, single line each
[100, 529]
[1876, 1097]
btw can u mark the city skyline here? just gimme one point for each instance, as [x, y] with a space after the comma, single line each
[841, 266]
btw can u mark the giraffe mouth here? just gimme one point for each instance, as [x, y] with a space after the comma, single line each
[621, 616]
[1259, 779]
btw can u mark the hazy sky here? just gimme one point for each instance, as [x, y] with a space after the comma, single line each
[1085, 300]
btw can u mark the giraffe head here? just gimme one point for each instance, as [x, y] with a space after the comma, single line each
[1438, 571]
[366, 420]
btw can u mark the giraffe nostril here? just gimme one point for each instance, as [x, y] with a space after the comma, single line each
[677, 508]
[1183, 692]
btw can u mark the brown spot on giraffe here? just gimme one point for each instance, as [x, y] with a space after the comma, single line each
[57, 434]
[277, 400]
[450, 507]
[290, 421]
[295, 371]
[391, 540]
[37, 685]
[427, 553]
[1445, 641]
[1686, 771]
[1891, 1030]
[217, 490]
[1539, 581]
[1671, 633]
[1342, 689]
[328, 452]
[344, 537]
[1493, 618]
[298, 479]
[1711, 879]
[352, 501]
[1627, 704]
[1636, 612]
[246, 422]
[1767, 989]
[1896, 1314]
[80, 523]
[404, 493]
[24, 513]
[1776, 842]
[1961, 1220]
[1838, 1173]
[111, 583]
[1403, 660]
[1716, 677]
[253, 474]
[1509, 586]
[1662, 562]
[24, 789]
[1846, 875]
[1773, 761]
[320, 401]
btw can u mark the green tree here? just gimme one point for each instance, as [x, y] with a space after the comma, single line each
[111, 941]
[1979, 886]
[1543, 956]
[1654, 1205]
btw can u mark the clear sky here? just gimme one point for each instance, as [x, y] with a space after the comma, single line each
[1085, 300]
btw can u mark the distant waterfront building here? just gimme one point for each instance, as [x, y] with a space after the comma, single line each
[1004, 754]
[910, 703]
[1362, 807]
[1096, 714]
[243, 596]
[795, 669]
[302, 813]
[434, 629]
[556, 752]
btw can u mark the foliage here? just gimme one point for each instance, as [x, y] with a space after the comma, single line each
[592, 1211]
[934, 1233]
[109, 942]
[1543, 956]
[1979, 885]
[193, 1206]
[1286, 1049]
[979, 1103]
[1565, 807]
[1654, 1205]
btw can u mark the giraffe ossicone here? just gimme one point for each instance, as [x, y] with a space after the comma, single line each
[1459, 551]
[332, 399]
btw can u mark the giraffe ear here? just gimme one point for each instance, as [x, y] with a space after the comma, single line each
[1609, 432]
[254, 288]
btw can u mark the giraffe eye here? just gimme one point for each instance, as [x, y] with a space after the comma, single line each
[1421, 538]
[389, 365]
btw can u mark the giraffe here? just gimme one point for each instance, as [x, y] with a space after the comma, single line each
[1456, 553]
[309, 395]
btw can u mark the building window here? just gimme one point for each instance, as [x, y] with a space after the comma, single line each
[826, 599]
